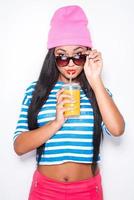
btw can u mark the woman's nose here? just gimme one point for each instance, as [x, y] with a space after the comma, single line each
[71, 63]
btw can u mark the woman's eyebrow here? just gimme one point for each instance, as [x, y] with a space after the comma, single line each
[60, 50]
[74, 50]
[78, 48]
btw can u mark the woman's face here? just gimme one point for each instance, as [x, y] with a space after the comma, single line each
[69, 69]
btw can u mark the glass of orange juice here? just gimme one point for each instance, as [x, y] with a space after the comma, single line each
[72, 89]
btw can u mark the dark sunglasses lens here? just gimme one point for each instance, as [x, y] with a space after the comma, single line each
[60, 62]
[80, 61]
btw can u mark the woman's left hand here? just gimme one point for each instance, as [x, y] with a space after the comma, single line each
[93, 66]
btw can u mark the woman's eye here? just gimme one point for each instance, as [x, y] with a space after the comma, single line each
[77, 55]
[63, 56]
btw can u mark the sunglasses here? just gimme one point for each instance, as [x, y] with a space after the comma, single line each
[63, 60]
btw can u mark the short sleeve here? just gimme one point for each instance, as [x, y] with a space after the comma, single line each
[104, 128]
[22, 124]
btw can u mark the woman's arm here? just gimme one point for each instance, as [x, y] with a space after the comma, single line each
[30, 140]
[111, 116]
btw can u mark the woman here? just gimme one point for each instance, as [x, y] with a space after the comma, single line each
[67, 148]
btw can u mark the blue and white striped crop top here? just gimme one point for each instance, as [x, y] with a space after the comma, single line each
[73, 141]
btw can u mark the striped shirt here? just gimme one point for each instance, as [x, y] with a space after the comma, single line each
[73, 141]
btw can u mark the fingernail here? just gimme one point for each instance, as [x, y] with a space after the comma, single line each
[73, 101]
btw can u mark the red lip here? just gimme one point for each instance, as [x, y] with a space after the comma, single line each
[71, 71]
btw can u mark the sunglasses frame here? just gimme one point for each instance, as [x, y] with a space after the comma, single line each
[73, 59]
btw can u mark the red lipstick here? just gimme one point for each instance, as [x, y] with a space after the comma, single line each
[71, 71]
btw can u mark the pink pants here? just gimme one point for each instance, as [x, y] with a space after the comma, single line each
[44, 188]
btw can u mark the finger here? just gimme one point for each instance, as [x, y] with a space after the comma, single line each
[64, 109]
[59, 105]
[63, 96]
[65, 101]
[87, 52]
[97, 60]
[87, 60]
[59, 92]
[95, 52]
[95, 55]
[61, 110]
[92, 53]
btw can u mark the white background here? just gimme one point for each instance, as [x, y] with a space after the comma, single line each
[24, 26]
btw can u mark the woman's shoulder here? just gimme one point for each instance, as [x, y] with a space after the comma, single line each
[31, 88]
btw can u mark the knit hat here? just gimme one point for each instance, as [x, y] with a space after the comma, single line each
[69, 27]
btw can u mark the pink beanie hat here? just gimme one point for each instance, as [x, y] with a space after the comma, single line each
[69, 27]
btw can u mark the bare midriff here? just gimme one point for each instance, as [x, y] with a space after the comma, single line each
[67, 172]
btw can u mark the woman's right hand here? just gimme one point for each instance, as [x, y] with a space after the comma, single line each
[60, 109]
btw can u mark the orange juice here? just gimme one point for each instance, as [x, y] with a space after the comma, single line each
[74, 90]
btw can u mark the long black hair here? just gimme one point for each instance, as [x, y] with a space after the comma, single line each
[47, 79]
